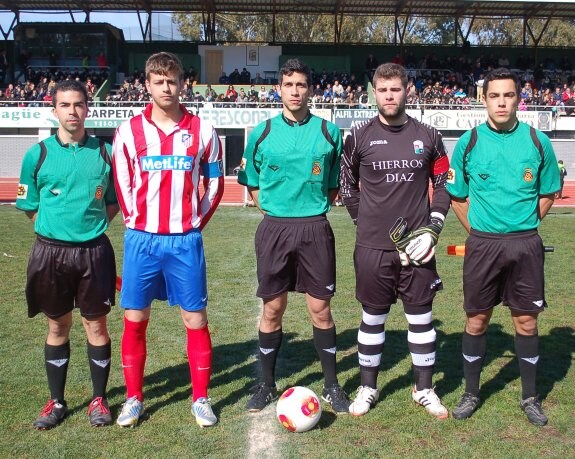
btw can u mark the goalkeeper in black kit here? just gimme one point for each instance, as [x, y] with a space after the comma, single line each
[395, 157]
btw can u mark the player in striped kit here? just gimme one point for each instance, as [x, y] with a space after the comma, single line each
[159, 158]
[395, 157]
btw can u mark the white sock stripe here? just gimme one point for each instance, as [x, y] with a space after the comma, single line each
[370, 338]
[366, 360]
[419, 319]
[423, 360]
[531, 360]
[370, 319]
[421, 338]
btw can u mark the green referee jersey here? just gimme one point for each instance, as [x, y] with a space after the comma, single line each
[70, 190]
[294, 165]
[504, 176]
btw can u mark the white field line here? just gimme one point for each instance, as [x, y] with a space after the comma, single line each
[262, 435]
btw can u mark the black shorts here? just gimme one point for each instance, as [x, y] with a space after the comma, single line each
[504, 268]
[381, 279]
[63, 275]
[295, 254]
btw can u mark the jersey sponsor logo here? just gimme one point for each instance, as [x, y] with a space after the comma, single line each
[166, 163]
[451, 176]
[484, 176]
[187, 140]
[418, 147]
[397, 164]
[22, 191]
[377, 142]
[99, 192]
[316, 168]
[101, 363]
[58, 362]
[528, 174]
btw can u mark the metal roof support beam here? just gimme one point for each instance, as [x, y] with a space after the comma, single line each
[400, 29]
[337, 24]
[459, 30]
[147, 28]
[15, 21]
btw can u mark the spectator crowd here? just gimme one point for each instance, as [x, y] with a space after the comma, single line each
[435, 82]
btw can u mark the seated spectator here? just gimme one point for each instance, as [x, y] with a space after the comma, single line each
[234, 77]
[245, 76]
[231, 94]
[242, 98]
[101, 60]
[337, 89]
[262, 94]
[258, 79]
[223, 78]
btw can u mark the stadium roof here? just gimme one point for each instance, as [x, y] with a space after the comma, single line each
[451, 8]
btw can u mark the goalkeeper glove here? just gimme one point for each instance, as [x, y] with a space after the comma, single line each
[420, 244]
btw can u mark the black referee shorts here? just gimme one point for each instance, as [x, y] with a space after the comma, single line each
[295, 254]
[504, 268]
[64, 275]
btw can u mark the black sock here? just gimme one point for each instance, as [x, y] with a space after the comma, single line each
[56, 359]
[324, 341]
[474, 348]
[99, 358]
[527, 350]
[269, 346]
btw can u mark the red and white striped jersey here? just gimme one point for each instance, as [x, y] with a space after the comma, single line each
[157, 173]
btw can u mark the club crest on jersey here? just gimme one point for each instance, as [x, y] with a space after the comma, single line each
[418, 147]
[528, 174]
[22, 191]
[451, 176]
[99, 192]
[187, 140]
[243, 164]
[316, 168]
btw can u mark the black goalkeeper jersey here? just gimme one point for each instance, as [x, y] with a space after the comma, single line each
[386, 173]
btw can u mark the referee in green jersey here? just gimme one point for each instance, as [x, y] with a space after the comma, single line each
[291, 169]
[502, 181]
[67, 190]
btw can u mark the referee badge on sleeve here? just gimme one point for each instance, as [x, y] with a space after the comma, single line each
[22, 191]
[451, 176]
[99, 192]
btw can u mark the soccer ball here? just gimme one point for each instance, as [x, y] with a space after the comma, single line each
[298, 409]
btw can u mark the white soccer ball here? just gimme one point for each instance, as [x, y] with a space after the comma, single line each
[298, 409]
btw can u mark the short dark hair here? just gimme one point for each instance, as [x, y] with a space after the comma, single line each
[388, 71]
[501, 73]
[162, 63]
[292, 66]
[69, 85]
